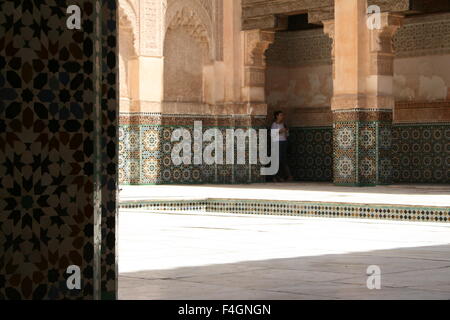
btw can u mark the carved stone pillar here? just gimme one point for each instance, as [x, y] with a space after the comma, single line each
[380, 86]
[146, 22]
[363, 99]
[381, 65]
[255, 44]
[329, 30]
[149, 93]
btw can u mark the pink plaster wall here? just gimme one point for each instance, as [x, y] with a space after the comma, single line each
[299, 86]
[424, 79]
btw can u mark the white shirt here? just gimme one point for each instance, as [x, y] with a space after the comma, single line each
[278, 126]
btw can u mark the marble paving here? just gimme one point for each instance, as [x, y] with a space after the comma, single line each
[218, 256]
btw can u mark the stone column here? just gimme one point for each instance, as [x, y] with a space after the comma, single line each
[147, 92]
[145, 69]
[363, 99]
[380, 84]
[255, 44]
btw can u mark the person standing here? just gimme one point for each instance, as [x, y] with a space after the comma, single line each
[284, 172]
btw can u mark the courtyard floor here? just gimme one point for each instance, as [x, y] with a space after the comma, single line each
[217, 256]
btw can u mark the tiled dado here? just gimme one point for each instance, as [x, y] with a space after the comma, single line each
[311, 154]
[146, 147]
[362, 147]
[421, 153]
[300, 209]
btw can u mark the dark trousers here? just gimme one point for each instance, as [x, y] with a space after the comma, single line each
[284, 172]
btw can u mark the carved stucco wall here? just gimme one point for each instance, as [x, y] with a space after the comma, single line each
[149, 20]
[299, 76]
[145, 25]
[209, 13]
[189, 46]
[299, 66]
[422, 67]
[151, 26]
[183, 67]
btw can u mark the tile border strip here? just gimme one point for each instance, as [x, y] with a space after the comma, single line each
[297, 208]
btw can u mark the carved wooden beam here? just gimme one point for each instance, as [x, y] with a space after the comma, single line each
[270, 14]
[430, 6]
[273, 22]
[317, 15]
[256, 8]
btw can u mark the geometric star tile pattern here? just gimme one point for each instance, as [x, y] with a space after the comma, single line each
[370, 151]
[49, 122]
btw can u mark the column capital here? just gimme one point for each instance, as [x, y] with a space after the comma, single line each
[328, 28]
[381, 45]
[381, 38]
[256, 42]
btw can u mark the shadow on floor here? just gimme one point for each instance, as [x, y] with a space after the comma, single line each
[410, 273]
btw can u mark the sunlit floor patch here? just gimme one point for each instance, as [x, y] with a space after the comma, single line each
[421, 195]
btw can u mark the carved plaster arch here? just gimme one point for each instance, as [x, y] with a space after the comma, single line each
[128, 21]
[194, 18]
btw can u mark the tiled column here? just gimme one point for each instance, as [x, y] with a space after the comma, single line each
[381, 96]
[362, 147]
[363, 99]
[58, 151]
[140, 117]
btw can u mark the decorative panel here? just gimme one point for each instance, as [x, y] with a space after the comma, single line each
[311, 154]
[362, 147]
[421, 153]
[300, 48]
[428, 35]
[146, 148]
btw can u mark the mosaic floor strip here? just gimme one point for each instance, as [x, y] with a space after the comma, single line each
[296, 208]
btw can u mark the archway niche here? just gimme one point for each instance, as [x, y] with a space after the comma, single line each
[187, 60]
[299, 82]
